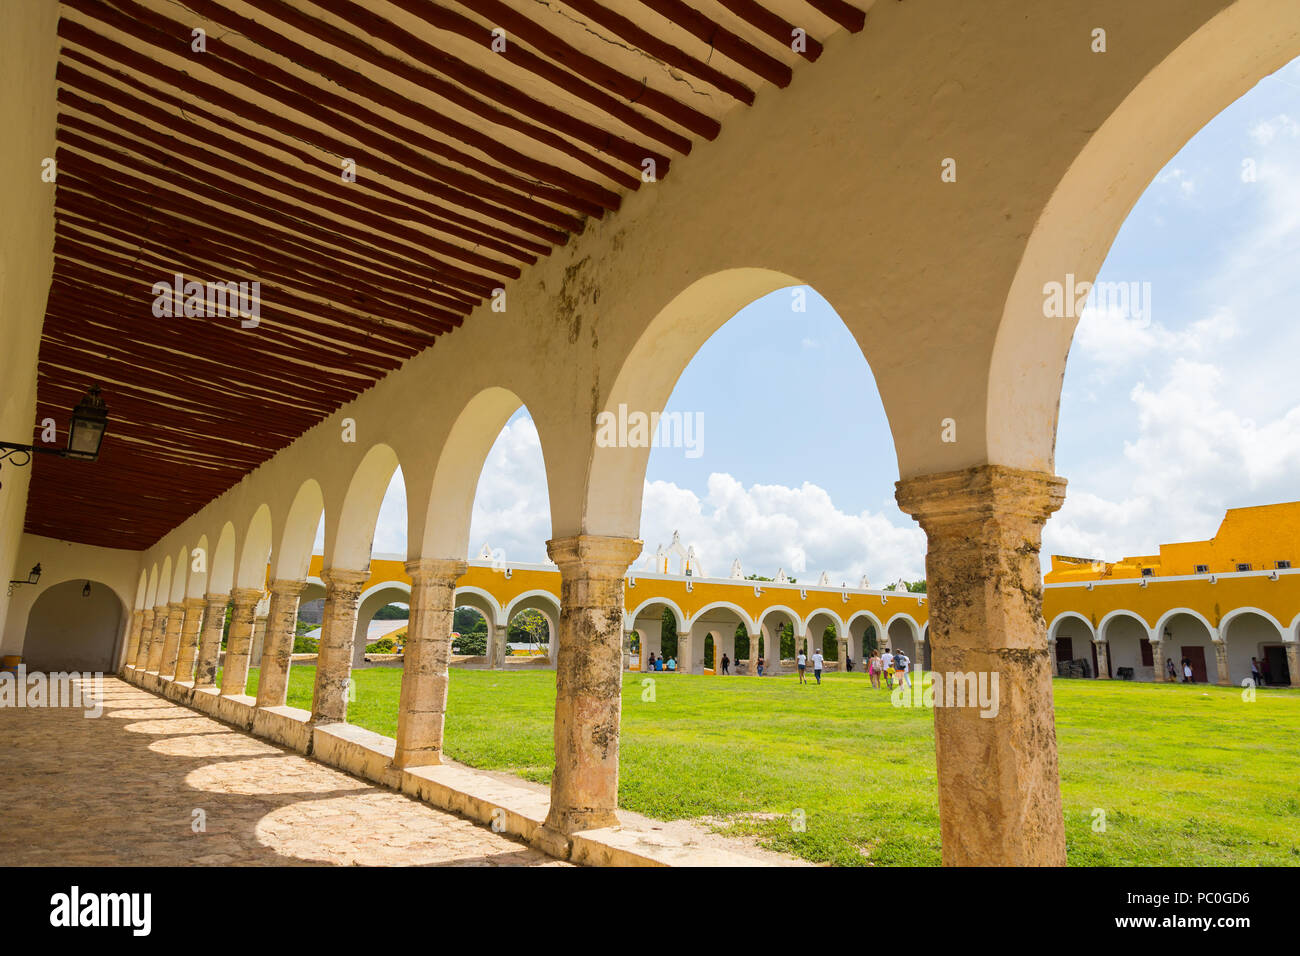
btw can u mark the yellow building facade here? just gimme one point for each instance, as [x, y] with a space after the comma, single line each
[701, 607]
[1217, 606]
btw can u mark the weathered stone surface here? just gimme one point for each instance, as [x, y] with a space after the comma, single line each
[588, 680]
[273, 677]
[156, 638]
[234, 673]
[334, 663]
[146, 635]
[999, 787]
[133, 638]
[1293, 662]
[423, 702]
[172, 639]
[214, 622]
[188, 652]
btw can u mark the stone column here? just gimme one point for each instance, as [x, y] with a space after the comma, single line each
[1293, 661]
[772, 650]
[259, 639]
[588, 680]
[172, 639]
[214, 623]
[234, 673]
[1224, 678]
[157, 638]
[1103, 659]
[422, 705]
[627, 650]
[189, 648]
[999, 785]
[277, 648]
[133, 638]
[1158, 660]
[329, 700]
[1051, 656]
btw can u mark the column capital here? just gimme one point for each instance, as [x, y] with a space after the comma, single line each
[345, 580]
[195, 603]
[245, 595]
[147, 612]
[287, 587]
[217, 599]
[979, 493]
[596, 555]
[176, 605]
[436, 570]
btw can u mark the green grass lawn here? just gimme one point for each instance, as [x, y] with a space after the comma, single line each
[1186, 775]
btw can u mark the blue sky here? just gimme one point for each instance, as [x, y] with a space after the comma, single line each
[1165, 422]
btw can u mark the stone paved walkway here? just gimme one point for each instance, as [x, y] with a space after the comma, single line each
[123, 789]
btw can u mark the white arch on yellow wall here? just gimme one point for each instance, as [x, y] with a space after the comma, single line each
[293, 554]
[1123, 612]
[1170, 614]
[550, 597]
[904, 616]
[1066, 615]
[253, 558]
[751, 626]
[1239, 611]
[354, 526]
[1294, 633]
[795, 617]
[880, 627]
[484, 602]
[678, 616]
[841, 631]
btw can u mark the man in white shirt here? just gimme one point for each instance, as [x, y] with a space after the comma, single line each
[817, 665]
[803, 667]
[887, 665]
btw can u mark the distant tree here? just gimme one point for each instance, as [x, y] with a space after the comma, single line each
[668, 640]
[529, 627]
[915, 587]
[392, 612]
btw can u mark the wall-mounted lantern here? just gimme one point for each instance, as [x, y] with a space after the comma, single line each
[85, 433]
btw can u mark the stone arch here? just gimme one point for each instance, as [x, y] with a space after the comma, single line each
[856, 628]
[493, 613]
[372, 599]
[744, 617]
[354, 525]
[1128, 644]
[180, 576]
[546, 604]
[905, 636]
[645, 380]
[151, 592]
[1200, 78]
[221, 569]
[293, 554]
[256, 553]
[1201, 639]
[141, 591]
[459, 468]
[815, 632]
[1103, 626]
[197, 584]
[164, 582]
[1245, 632]
[1064, 616]
[635, 615]
[69, 632]
[1294, 630]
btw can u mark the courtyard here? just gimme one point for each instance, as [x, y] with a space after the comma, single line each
[1186, 775]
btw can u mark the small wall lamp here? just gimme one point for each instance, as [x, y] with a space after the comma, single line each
[85, 433]
[33, 576]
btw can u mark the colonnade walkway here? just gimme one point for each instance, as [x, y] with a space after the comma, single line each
[149, 782]
[127, 788]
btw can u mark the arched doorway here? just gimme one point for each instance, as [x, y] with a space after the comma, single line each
[74, 626]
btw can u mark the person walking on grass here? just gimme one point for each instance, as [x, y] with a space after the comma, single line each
[726, 664]
[760, 665]
[1187, 671]
[902, 664]
[1256, 674]
[1170, 670]
[803, 667]
[873, 669]
[887, 668]
[818, 660]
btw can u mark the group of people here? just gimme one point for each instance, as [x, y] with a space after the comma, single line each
[1259, 672]
[889, 666]
[659, 664]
